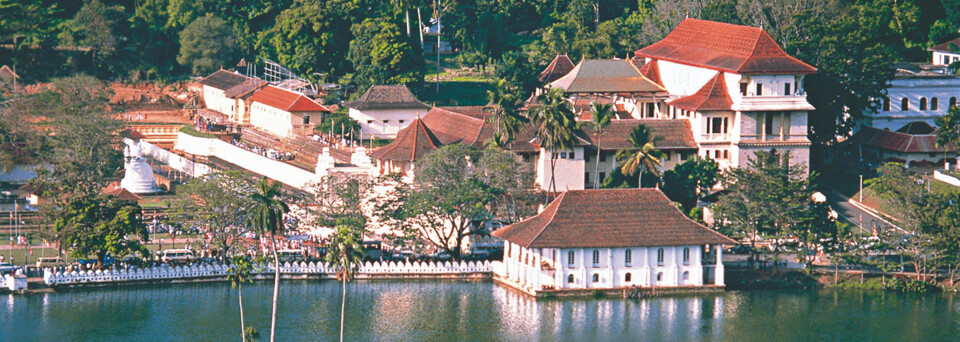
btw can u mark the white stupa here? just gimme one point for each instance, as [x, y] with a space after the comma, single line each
[138, 177]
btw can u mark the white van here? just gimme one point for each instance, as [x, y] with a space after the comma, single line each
[50, 262]
[290, 255]
[177, 255]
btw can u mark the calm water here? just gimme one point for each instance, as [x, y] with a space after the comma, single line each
[478, 311]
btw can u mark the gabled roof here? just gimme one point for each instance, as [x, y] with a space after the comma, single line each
[898, 141]
[952, 46]
[712, 96]
[122, 193]
[287, 100]
[469, 125]
[610, 218]
[674, 134]
[652, 71]
[6, 72]
[606, 76]
[243, 89]
[561, 65]
[387, 97]
[411, 144]
[223, 79]
[725, 47]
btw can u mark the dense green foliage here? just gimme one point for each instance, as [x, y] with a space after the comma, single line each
[206, 45]
[99, 225]
[689, 181]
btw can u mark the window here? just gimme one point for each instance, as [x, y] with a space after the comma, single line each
[369, 122]
[596, 256]
[953, 102]
[716, 126]
[627, 257]
[905, 104]
[923, 103]
[686, 255]
[563, 155]
[526, 158]
[666, 155]
[686, 275]
[627, 277]
[570, 279]
[716, 154]
[603, 175]
[886, 104]
[586, 178]
[586, 156]
[659, 276]
[768, 119]
[659, 257]
[934, 104]
[402, 121]
[603, 157]
[572, 154]
[786, 89]
[743, 88]
[596, 278]
[306, 119]
[759, 88]
[386, 121]
[650, 110]
[726, 154]
[570, 258]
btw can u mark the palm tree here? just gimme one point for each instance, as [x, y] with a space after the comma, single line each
[600, 118]
[266, 216]
[505, 112]
[555, 124]
[238, 274]
[642, 154]
[344, 252]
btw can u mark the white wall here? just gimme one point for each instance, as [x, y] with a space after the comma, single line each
[944, 58]
[273, 169]
[173, 160]
[270, 119]
[569, 171]
[373, 121]
[214, 100]
[942, 88]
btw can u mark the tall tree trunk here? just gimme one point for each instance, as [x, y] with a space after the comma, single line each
[276, 288]
[243, 326]
[343, 304]
[596, 170]
[553, 182]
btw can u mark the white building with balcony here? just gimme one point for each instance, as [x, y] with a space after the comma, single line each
[740, 91]
[919, 92]
[285, 113]
[384, 110]
[609, 239]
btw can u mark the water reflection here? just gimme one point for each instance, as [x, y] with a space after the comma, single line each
[444, 311]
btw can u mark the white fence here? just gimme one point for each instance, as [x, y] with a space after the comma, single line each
[52, 277]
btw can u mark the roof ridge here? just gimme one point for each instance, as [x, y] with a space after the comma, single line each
[685, 217]
[558, 201]
[645, 76]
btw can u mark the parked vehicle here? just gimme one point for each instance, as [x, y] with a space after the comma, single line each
[132, 261]
[107, 261]
[290, 255]
[177, 256]
[372, 250]
[50, 262]
[6, 267]
[441, 256]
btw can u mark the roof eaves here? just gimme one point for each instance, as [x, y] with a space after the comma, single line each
[553, 214]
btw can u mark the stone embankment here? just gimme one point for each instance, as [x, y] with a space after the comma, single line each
[303, 270]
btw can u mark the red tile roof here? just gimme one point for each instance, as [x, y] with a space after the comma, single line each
[949, 47]
[411, 144]
[712, 96]
[561, 65]
[387, 97]
[897, 141]
[725, 47]
[223, 79]
[673, 134]
[122, 193]
[287, 100]
[652, 71]
[610, 218]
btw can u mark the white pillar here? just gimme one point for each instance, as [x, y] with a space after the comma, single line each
[718, 272]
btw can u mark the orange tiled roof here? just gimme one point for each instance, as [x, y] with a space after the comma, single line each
[287, 100]
[712, 96]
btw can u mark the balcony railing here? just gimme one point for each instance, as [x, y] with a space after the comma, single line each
[773, 102]
[715, 137]
[773, 138]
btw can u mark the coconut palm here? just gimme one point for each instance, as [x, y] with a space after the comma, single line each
[641, 155]
[505, 113]
[344, 253]
[600, 117]
[555, 124]
[237, 274]
[266, 216]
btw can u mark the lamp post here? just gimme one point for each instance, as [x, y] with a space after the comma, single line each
[861, 189]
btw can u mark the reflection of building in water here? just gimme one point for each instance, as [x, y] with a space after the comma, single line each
[608, 239]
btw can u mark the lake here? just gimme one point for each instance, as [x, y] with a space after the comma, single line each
[474, 311]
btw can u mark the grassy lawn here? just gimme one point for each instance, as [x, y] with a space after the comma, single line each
[19, 252]
[459, 93]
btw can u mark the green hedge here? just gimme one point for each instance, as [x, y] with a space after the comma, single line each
[189, 130]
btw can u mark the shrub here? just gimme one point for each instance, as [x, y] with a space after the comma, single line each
[909, 285]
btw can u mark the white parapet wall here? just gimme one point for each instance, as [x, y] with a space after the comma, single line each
[273, 169]
[173, 160]
[217, 271]
[940, 176]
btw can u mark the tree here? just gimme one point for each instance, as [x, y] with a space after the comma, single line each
[519, 70]
[94, 27]
[689, 181]
[337, 200]
[448, 195]
[312, 36]
[100, 224]
[206, 45]
[949, 132]
[600, 117]
[641, 155]
[769, 198]
[28, 22]
[505, 113]
[84, 142]
[239, 273]
[344, 253]
[555, 125]
[266, 216]
[502, 170]
[219, 202]
[380, 54]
